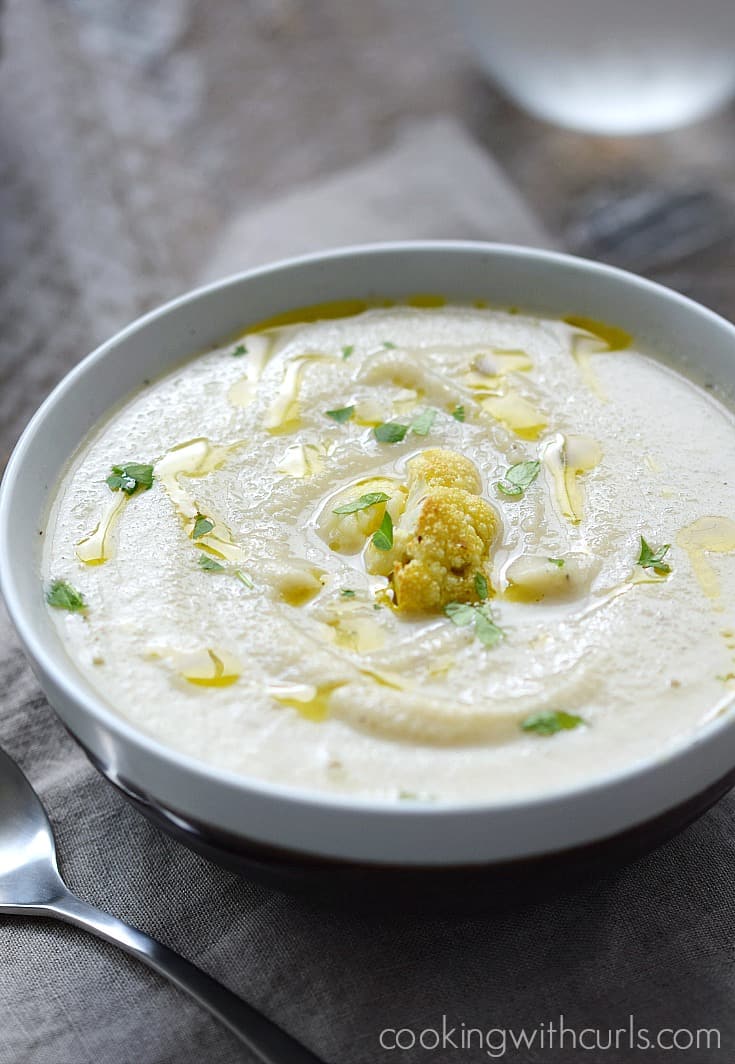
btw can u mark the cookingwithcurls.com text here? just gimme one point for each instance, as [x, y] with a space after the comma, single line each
[549, 1035]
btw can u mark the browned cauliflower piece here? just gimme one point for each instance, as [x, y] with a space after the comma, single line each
[443, 538]
[437, 468]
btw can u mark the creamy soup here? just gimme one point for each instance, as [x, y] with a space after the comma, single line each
[419, 552]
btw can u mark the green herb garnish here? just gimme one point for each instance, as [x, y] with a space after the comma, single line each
[558, 562]
[486, 630]
[389, 345]
[347, 592]
[344, 413]
[347, 350]
[390, 432]
[460, 613]
[128, 478]
[63, 596]
[383, 538]
[202, 526]
[244, 579]
[458, 413]
[481, 586]
[395, 432]
[551, 721]
[363, 503]
[519, 477]
[240, 350]
[211, 566]
[654, 559]
[421, 424]
[464, 614]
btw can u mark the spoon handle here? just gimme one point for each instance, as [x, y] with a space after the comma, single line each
[270, 1044]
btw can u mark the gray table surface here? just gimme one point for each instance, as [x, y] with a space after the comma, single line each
[129, 133]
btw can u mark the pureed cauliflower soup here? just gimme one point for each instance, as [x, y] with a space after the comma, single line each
[420, 551]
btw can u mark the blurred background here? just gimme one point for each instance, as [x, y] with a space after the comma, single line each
[132, 133]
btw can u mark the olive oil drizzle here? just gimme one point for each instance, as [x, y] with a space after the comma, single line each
[595, 338]
[96, 548]
[565, 468]
[197, 458]
[707, 535]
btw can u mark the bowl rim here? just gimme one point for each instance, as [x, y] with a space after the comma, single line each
[103, 713]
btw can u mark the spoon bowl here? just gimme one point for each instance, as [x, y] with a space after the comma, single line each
[30, 884]
[29, 875]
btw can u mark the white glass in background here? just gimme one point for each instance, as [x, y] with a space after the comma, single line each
[607, 66]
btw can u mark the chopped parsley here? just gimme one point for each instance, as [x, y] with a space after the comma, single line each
[363, 503]
[390, 432]
[128, 478]
[486, 630]
[202, 526]
[458, 413]
[383, 538]
[460, 613]
[211, 566]
[421, 424]
[347, 350]
[63, 596]
[551, 721]
[481, 586]
[558, 562]
[654, 559]
[342, 414]
[389, 345]
[519, 477]
[244, 579]
[463, 614]
[240, 350]
[395, 432]
[347, 592]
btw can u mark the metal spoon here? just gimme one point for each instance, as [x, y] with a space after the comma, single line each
[30, 885]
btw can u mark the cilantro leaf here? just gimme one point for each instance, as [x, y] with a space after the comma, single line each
[464, 614]
[347, 350]
[240, 350]
[558, 562]
[63, 596]
[363, 503]
[347, 592]
[342, 414]
[202, 525]
[390, 432]
[486, 630]
[551, 721]
[383, 538]
[128, 478]
[211, 566]
[458, 413]
[421, 424]
[519, 477]
[481, 586]
[654, 559]
[460, 613]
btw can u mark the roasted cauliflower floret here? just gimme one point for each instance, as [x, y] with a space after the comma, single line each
[444, 537]
[346, 533]
[437, 468]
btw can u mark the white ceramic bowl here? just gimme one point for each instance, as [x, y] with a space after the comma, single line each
[252, 823]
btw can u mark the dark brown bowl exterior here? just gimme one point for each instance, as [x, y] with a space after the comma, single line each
[466, 889]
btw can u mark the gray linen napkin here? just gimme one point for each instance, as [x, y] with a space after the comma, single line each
[654, 940]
